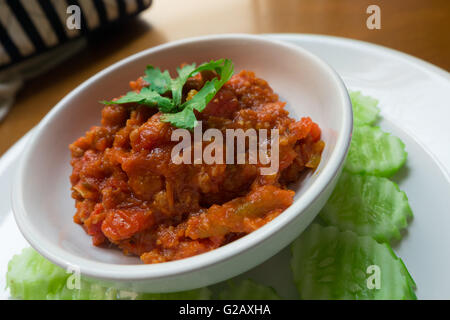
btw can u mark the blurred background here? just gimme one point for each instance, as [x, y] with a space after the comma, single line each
[114, 29]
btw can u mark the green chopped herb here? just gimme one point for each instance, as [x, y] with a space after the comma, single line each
[160, 81]
[177, 84]
[146, 97]
[180, 115]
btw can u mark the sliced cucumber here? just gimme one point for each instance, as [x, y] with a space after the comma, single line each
[365, 110]
[31, 277]
[368, 205]
[330, 264]
[375, 152]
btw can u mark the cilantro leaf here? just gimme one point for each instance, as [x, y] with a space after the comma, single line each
[224, 69]
[184, 119]
[189, 70]
[147, 97]
[159, 81]
[178, 83]
[201, 98]
[179, 114]
[217, 65]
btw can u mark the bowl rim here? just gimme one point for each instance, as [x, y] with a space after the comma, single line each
[117, 272]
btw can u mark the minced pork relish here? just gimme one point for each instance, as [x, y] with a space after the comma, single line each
[130, 194]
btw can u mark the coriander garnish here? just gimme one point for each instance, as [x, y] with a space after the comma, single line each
[180, 115]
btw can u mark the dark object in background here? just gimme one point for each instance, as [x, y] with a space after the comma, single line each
[36, 35]
[30, 27]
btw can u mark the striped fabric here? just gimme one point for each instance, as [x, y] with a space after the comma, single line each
[29, 27]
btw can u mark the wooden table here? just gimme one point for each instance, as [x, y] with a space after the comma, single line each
[417, 27]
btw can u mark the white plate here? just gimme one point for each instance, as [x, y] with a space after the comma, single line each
[414, 105]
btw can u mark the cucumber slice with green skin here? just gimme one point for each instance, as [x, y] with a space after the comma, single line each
[248, 290]
[365, 110]
[330, 264]
[31, 277]
[368, 205]
[375, 152]
[87, 291]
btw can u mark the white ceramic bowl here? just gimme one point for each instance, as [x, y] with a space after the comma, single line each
[43, 206]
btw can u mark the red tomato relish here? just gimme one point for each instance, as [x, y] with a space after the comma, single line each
[130, 194]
